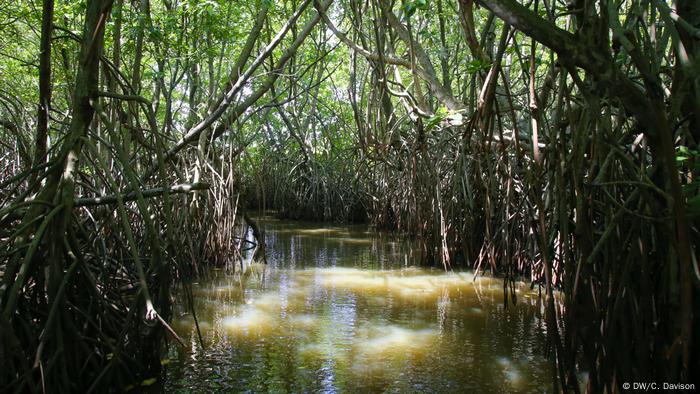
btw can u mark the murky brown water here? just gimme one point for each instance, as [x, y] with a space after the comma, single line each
[342, 309]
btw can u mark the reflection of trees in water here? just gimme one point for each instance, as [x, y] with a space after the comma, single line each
[353, 328]
[354, 245]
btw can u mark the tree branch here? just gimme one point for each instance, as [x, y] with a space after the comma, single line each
[132, 196]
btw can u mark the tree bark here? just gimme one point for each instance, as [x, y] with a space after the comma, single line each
[44, 83]
[647, 106]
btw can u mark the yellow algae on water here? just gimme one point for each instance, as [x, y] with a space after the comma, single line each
[299, 289]
[322, 328]
[376, 301]
[355, 282]
[234, 289]
[302, 321]
[250, 320]
[269, 302]
[386, 347]
[405, 283]
[319, 231]
[415, 286]
[396, 341]
[354, 241]
[186, 324]
[323, 351]
[313, 350]
[349, 278]
[334, 271]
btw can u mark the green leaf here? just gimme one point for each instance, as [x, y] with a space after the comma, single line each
[409, 8]
[477, 65]
[148, 382]
[435, 120]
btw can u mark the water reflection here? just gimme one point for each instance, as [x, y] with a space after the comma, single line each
[339, 309]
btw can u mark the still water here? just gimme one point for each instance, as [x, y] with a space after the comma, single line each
[344, 309]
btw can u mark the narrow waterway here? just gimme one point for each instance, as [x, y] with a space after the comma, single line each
[344, 309]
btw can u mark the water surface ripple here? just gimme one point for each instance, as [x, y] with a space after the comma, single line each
[341, 309]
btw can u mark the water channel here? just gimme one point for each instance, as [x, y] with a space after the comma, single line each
[344, 309]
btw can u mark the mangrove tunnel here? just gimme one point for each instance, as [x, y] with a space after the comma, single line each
[415, 196]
